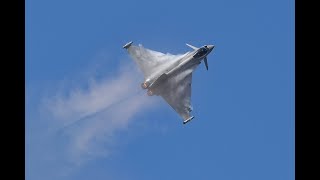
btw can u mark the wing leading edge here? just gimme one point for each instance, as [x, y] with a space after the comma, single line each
[150, 61]
[177, 93]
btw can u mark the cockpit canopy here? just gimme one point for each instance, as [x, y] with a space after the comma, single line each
[201, 52]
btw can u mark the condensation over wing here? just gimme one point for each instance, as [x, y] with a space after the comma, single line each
[150, 61]
[177, 93]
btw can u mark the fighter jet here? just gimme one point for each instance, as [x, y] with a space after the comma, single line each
[170, 76]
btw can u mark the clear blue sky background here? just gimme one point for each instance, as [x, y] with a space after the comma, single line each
[244, 104]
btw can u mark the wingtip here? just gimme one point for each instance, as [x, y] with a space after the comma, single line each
[126, 46]
[188, 120]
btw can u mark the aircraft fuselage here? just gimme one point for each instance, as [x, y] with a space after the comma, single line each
[188, 60]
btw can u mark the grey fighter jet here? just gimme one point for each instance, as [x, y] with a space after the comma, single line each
[170, 75]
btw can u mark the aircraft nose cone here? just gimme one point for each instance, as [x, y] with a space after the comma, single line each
[210, 47]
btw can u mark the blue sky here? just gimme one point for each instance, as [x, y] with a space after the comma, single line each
[87, 118]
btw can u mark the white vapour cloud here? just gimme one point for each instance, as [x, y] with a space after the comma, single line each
[152, 62]
[90, 117]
